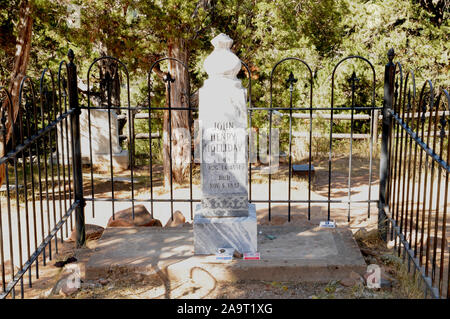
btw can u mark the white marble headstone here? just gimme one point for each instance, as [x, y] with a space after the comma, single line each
[224, 218]
[99, 141]
[223, 125]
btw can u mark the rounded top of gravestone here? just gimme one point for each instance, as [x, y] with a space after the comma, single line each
[222, 62]
[222, 41]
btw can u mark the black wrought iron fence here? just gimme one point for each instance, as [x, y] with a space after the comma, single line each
[72, 156]
[41, 186]
[414, 180]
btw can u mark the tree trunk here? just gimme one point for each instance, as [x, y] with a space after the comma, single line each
[22, 55]
[179, 96]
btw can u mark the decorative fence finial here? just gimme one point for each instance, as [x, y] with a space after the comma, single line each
[290, 81]
[168, 78]
[71, 55]
[391, 54]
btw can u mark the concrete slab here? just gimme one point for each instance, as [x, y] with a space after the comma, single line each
[297, 253]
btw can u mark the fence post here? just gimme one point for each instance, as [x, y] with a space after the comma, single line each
[383, 202]
[76, 150]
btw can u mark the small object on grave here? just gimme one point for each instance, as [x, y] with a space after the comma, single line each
[252, 256]
[223, 255]
[271, 237]
[225, 251]
[328, 224]
[237, 254]
[302, 170]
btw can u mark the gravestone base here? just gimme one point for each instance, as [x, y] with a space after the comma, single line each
[102, 161]
[225, 232]
[120, 161]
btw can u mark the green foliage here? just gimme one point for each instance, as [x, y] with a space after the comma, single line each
[322, 25]
[8, 14]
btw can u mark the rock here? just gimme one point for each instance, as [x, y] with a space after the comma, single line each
[67, 290]
[119, 223]
[103, 281]
[359, 280]
[154, 223]
[390, 244]
[348, 282]
[142, 217]
[352, 280]
[368, 252]
[92, 232]
[178, 220]
[58, 286]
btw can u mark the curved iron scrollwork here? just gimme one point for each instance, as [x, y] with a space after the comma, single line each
[352, 81]
[290, 81]
[108, 82]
